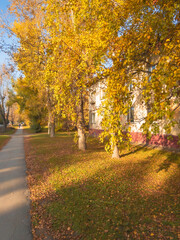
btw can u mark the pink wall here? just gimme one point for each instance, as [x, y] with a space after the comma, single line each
[158, 140]
[95, 132]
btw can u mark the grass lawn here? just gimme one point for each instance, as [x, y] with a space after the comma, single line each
[29, 130]
[5, 137]
[88, 195]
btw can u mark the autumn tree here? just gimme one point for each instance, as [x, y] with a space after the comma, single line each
[33, 53]
[14, 114]
[80, 32]
[67, 46]
[145, 55]
[5, 86]
[31, 103]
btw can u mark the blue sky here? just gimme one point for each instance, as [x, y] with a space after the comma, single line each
[3, 7]
[3, 4]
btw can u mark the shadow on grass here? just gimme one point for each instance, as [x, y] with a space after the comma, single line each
[63, 152]
[134, 149]
[117, 199]
[172, 158]
[110, 205]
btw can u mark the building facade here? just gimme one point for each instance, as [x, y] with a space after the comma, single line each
[135, 118]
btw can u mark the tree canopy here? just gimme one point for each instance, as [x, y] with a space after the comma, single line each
[67, 46]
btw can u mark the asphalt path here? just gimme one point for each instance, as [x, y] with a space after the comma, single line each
[14, 196]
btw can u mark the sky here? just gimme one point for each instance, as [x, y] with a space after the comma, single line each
[3, 7]
[3, 4]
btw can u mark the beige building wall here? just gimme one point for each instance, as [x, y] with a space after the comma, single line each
[96, 97]
[140, 111]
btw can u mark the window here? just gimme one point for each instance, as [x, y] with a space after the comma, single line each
[92, 96]
[102, 93]
[149, 79]
[148, 108]
[130, 115]
[150, 71]
[131, 87]
[93, 118]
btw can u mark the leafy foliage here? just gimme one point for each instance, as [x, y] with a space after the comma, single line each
[31, 104]
[67, 46]
[143, 42]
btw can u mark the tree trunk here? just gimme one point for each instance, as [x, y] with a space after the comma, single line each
[7, 116]
[4, 124]
[3, 116]
[4, 128]
[115, 152]
[52, 133]
[81, 126]
[81, 139]
[51, 124]
[114, 147]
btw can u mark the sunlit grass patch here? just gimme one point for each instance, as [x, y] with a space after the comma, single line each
[89, 195]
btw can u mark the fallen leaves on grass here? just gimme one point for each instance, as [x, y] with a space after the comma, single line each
[89, 195]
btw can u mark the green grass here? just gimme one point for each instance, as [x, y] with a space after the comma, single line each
[3, 140]
[29, 130]
[4, 137]
[90, 195]
[9, 131]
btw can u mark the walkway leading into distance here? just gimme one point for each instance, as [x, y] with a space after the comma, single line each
[14, 198]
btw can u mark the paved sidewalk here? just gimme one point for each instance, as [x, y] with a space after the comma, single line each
[14, 200]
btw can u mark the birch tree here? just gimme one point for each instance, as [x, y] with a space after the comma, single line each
[5, 85]
[145, 54]
[80, 34]
[32, 55]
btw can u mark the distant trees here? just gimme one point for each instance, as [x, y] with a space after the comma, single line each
[32, 105]
[5, 94]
